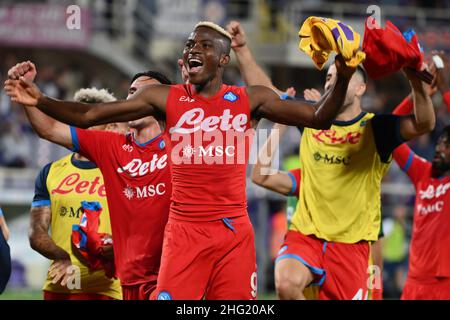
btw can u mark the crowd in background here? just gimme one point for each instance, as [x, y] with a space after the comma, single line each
[21, 148]
[17, 139]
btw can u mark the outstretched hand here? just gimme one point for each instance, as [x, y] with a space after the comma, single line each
[23, 91]
[236, 30]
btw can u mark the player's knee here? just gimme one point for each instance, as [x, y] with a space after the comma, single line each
[290, 286]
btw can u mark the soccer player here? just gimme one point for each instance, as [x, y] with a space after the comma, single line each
[137, 177]
[429, 256]
[208, 248]
[60, 188]
[339, 210]
[286, 183]
[5, 255]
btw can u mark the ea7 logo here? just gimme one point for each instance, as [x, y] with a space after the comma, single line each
[186, 99]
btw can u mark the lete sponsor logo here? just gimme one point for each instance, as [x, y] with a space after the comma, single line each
[137, 167]
[194, 120]
[330, 136]
[434, 192]
[74, 183]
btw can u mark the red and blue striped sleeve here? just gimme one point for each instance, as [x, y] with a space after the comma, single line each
[41, 195]
[413, 165]
[91, 143]
[295, 177]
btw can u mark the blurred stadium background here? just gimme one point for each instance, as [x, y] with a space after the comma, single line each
[118, 38]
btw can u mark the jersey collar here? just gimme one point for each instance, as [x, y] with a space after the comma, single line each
[349, 122]
[80, 164]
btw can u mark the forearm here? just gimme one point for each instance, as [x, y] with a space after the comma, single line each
[84, 115]
[251, 71]
[71, 113]
[331, 104]
[39, 238]
[423, 107]
[41, 242]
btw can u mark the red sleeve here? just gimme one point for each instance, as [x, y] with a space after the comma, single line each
[413, 165]
[404, 108]
[91, 143]
[446, 97]
[295, 177]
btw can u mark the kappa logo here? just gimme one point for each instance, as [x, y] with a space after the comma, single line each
[230, 96]
[127, 147]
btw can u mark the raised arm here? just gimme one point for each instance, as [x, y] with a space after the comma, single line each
[44, 126]
[150, 100]
[251, 71]
[266, 104]
[48, 128]
[424, 119]
[278, 181]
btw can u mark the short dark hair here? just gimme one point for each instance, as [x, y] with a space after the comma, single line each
[154, 75]
[363, 73]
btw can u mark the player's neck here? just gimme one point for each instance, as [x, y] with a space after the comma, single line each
[350, 112]
[146, 134]
[210, 88]
[79, 157]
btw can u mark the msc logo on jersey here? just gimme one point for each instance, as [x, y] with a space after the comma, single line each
[164, 295]
[327, 159]
[144, 192]
[230, 96]
[70, 212]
